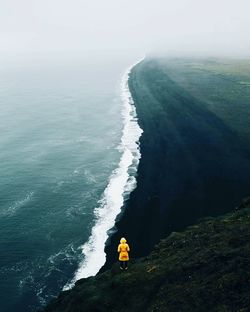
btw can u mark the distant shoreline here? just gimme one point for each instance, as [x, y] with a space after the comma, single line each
[193, 163]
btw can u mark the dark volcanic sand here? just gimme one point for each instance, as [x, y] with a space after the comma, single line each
[193, 165]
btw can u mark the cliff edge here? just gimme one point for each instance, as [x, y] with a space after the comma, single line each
[204, 268]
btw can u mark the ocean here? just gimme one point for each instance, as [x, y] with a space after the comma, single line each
[68, 158]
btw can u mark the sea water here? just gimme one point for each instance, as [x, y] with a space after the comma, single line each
[68, 158]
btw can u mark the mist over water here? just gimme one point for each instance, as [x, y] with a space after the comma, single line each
[118, 26]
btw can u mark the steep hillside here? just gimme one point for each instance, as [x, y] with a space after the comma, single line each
[204, 268]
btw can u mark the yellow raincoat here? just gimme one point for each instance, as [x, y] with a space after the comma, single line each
[123, 250]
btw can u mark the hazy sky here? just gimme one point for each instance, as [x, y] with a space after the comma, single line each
[28, 26]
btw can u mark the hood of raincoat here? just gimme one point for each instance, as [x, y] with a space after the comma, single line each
[123, 240]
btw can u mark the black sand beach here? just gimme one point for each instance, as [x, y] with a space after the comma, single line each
[195, 153]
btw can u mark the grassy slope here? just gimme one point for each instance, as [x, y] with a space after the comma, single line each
[204, 268]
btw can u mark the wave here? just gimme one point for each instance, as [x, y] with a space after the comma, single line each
[121, 183]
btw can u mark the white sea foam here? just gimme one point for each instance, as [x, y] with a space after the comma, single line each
[121, 183]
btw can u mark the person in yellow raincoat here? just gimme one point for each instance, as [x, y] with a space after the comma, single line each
[123, 250]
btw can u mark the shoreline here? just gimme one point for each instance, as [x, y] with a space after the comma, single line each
[121, 183]
[193, 165]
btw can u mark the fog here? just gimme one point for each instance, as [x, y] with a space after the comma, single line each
[124, 26]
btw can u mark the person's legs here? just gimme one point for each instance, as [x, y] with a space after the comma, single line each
[121, 265]
[124, 265]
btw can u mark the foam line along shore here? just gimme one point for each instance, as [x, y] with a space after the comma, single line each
[121, 183]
